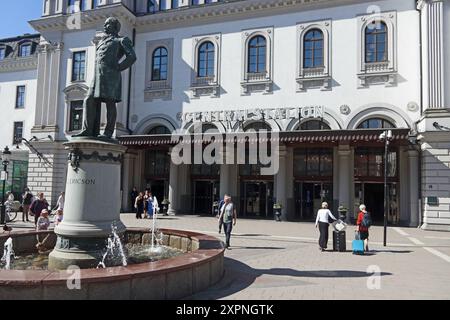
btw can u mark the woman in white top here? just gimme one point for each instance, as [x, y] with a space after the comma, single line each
[322, 221]
[60, 203]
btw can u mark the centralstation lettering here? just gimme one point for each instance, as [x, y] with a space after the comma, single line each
[255, 114]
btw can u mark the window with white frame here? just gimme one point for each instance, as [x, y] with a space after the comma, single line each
[206, 66]
[20, 97]
[18, 132]
[151, 6]
[79, 66]
[257, 70]
[313, 55]
[76, 115]
[159, 66]
[2, 53]
[25, 49]
[377, 43]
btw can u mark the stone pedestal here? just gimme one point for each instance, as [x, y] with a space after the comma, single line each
[92, 203]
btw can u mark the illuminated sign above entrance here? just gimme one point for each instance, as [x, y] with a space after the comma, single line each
[254, 114]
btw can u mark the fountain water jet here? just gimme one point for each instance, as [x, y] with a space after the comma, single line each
[114, 245]
[8, 253]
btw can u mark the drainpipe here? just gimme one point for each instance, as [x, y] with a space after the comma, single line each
[130, 77]
[421, 63]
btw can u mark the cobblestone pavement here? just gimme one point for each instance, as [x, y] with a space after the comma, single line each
[273, 260]
[281, 260]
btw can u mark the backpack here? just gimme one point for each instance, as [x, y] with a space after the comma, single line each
[367, 220]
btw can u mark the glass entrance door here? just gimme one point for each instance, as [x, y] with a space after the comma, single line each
[205, 193]
[159, 189]
[372, 195]
[258, 198]
[309, 197]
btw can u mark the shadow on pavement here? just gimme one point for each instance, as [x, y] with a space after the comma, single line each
[390, 251]
[265, 248]
[238, 276]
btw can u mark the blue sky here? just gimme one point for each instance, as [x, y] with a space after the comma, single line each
[15, 14]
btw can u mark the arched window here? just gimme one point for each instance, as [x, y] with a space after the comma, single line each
[206, 59]
[376, 42]
[376, 123]
[258, 126]
[314, 125]
[257, 53]
[159, 130]
[151, 7]
[205, 128]
[313, 49]
[159, 64]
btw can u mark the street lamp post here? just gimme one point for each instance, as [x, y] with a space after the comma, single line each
[386, 136]
[6, 156]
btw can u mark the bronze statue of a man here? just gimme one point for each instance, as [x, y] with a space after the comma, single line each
[107, 84]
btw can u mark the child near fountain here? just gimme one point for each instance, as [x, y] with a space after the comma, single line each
[58, 217]
[43, 221]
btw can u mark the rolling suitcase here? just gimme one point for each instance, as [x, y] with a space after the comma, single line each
[339, 241]
[358, 245]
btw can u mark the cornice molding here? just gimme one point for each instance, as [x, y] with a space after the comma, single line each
[186, 15]
[229, 11]
[87, 19]
[19, 64]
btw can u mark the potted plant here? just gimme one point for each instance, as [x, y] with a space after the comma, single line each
[277, 208]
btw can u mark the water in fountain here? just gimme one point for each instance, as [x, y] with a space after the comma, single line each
[8, 254]
[114, 249]
[157, 236]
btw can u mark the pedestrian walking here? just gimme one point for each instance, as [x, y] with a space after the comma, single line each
[27, 200]
[60, 202]
[221, 203]
[133, 195]
[363, 224]
[139, 205]
[150, 207]
[37, 206]
[229, 216]
[323, 222]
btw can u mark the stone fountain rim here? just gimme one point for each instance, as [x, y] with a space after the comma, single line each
[185, 261]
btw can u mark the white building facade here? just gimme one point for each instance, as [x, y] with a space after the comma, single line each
[18, 82]
[326, 78]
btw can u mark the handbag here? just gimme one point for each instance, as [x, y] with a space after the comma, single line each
[357, 235]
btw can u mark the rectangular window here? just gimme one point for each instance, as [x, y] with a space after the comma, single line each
[20, 97]
[18, 132]
[157, 163]
[79, 66]
[162, 5]
[25, 50]
[2, 53]
[369, 162]
[313, 163]
[71, 6]
[76, 115]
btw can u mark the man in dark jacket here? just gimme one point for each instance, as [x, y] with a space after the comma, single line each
[37, 206]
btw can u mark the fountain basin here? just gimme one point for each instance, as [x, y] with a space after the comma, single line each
[200, 267]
